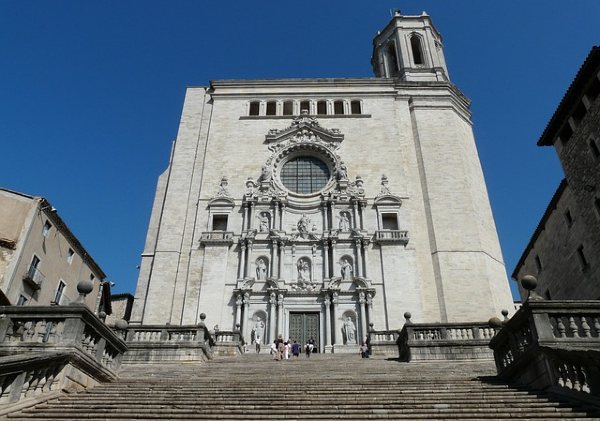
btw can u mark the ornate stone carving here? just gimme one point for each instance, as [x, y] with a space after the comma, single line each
[344, 221]
[305, 281]
[261, 269]
[264, 221]
[304, 225]
[223, 191]
[346, 269]
[349, 329]
[334, 283]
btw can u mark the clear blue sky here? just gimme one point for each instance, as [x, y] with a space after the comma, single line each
[91, 92]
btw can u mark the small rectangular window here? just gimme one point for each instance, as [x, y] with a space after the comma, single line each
[22, 300]
[355, 107]
[547, 295]
[568, 218]
[59, 292]
[389, 221]
[254, 108]
[538, 264]
[582, 259]
[271, 108]
[92, 277]
[305, 105]
[70, 254]
[322, 107]
[594, 148]
[288, 108]
[46, 229]
[33, 267]
[219, 223]
[566, 133]
[338, 107]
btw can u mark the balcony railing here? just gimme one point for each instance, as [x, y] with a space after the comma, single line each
[216, 238]
[391, 237]
[34, 278]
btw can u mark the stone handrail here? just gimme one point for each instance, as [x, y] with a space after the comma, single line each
[391, 236]
[435, 341]
[217, 237]
[51, 328]
[48, 348]
[227, 336]
[561, 336]
[167, 334]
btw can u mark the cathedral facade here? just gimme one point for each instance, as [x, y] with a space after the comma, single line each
[317, 207]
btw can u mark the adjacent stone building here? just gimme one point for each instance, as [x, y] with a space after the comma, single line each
[564, 251]
[41, 261]
[315, 207]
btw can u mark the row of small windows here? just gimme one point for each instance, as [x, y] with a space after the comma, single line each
[290, 107]
[580, 111]
[581, 258]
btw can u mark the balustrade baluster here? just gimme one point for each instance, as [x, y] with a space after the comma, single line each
[561, 328]
[597, 325]
[574, 330]
[586, 328]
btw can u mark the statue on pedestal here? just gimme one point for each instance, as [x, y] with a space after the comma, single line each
[349, 331]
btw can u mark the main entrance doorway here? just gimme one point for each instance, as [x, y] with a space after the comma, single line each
[304, 326]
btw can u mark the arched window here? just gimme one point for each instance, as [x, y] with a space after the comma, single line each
[322, 107]
[288, 108]
[392, 59]
[417, 49]
[338, 107]
[254, 108]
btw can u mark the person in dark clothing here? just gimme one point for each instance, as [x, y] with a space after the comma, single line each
[296, 349]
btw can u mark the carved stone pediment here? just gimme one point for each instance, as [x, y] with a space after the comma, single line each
[305, 129]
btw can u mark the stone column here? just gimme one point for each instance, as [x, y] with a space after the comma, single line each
[251, 216]
[312, 264]
[333, 258]
[238, 309]
[325, 259]
[280, 314]
[246, 216]
[357, 223]
[337, 331]
[327, 302]
[272, 321]
[365, 244]
[363, 317]
[281, 252]
[275, 216]
[281, 210]
[247, 260]
[359, 265]
[242, 268]
[362, 214]
[274, 258]
[246, 315]
[370, 308]
[332, 221]
[324, 213]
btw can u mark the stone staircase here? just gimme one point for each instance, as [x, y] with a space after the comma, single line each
[323, 387]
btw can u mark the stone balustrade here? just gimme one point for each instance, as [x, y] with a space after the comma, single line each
[48, 348]
[444, 341]
[552, 346]
[383, 342]
[391, 236]
[166, 343]
[216, 237]
[227, 343]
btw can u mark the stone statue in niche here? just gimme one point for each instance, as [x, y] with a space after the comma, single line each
[223, 191]
[258, 330]
[344, 224]
[346, 269]
[263, 224]
[349, 331]
[303, 272]
[261, 269]
[303, 226]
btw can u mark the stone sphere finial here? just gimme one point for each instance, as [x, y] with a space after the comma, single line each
[407, 316]
[495, 322]
[504, 313]
[237, 326]
[121, 324]
[529, 282]
[83, 288]
[102, 315]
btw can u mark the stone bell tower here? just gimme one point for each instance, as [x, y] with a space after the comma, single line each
[409, 48]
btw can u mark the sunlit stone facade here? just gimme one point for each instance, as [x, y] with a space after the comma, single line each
[316, 207]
